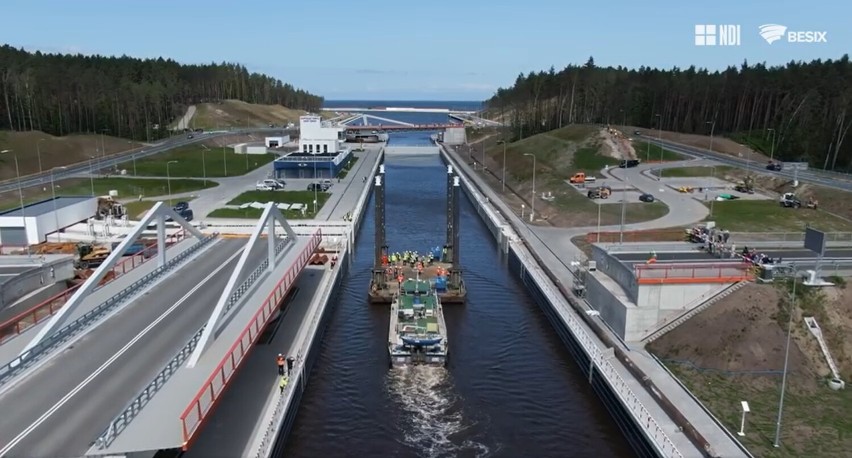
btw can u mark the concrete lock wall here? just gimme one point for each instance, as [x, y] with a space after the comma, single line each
[612, 310]
[35, 278]
[455, 136]
[617, 270]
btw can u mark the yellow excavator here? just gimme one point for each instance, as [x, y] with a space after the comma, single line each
[746, 186]
[91, 256]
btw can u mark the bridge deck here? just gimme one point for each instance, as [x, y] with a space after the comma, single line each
[239, 416]
[63, 405]
[158, 424]
[12, 347]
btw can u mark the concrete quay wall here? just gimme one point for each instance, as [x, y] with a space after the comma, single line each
[609, 378]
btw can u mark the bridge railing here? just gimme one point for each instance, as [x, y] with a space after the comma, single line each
[215, 385]
[666, 274]
[40, 312]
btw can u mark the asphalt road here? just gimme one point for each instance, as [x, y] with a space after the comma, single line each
[110, 161]
[52, 414]
[809, 176]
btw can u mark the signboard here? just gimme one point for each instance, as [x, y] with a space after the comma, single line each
[815, 241]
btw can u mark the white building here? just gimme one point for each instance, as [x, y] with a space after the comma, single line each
[42, 218]
[316, 137]
[256, 149]
[277, 142]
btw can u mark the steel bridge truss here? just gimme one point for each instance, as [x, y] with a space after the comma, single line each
[365, 118]
[234, 291]
[156, 215]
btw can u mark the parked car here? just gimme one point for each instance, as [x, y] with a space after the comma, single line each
[181, 206]
[629, 163]
[261, 186]
[274, 184]
[318, 187]
[646, 197]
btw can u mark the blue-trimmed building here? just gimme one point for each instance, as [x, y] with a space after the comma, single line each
[311, 165]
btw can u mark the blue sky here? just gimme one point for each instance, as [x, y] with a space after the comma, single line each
[421, 50]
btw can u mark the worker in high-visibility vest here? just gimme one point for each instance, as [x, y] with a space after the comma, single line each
[283, 383]
[652, 259]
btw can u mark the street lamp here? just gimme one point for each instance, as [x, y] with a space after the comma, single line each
[623, 207]
[103, 144]
[92, 174]
[38, 152]
[53, 192]
[786, 360]
[21, 195]
[532, 202]
[712, 128]
[169, 180]
[660, 142]
[772, 145]
[225, 160]
[503, 180]
[712, 178]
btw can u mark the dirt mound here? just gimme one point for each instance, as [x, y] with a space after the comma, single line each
[235, 113]
[614, 143]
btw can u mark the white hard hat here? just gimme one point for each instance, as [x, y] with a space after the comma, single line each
[279, 354]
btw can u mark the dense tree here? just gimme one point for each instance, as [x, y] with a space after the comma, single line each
[805, 109]
[132, 98]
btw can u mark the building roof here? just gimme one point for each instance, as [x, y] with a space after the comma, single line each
[46, 206]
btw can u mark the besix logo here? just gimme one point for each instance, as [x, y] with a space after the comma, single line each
[774, 32]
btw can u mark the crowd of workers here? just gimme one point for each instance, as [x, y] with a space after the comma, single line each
[717, 242]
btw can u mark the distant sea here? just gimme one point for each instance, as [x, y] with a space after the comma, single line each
[457, 105]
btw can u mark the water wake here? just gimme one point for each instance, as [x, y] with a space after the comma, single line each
[432, 416]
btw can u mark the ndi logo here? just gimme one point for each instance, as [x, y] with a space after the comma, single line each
[717, 35]
[774, 32]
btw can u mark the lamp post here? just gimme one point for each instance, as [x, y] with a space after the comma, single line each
[92, 173]
[38, 153]
[53, 192]
[532, 202]
[134, 164]
[742, 422]
[316, 185]
[21, 195]
[503, 180]
[660, 142]
[772, 144]
[169, 180]
[712, 178]
[623, 121]
[623, 208]
[786, 361]
[103, 143]
[712, 128]
[225, 160]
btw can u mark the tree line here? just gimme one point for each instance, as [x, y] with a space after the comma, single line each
[799, 111]
[128, 97]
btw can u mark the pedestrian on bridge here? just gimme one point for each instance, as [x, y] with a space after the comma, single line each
[280, 361]
[283, 383]
[290, 361]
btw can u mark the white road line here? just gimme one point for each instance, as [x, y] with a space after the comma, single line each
[14, 442]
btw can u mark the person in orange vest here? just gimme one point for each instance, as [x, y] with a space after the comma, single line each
[280, 360]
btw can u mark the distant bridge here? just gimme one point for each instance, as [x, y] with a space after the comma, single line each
[396, 127]
[400, 110]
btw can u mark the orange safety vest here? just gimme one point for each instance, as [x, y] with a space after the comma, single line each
[280, 360]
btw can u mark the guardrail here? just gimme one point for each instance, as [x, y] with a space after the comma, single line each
[38, 313]
[81, 323]
[120, 422]
[664, 274]
[600, 358]
[215, 385]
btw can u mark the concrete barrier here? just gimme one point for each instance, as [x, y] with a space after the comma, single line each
[53, 271]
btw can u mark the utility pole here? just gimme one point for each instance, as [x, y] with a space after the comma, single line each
[786, 361]
[772, 144]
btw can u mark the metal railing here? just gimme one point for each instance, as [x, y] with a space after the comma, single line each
[38, 313]
[215, 385]
[83, 322]
[660, 274]
[600, 358]
[253, 276]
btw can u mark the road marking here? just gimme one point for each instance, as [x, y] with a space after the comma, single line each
[14, 442]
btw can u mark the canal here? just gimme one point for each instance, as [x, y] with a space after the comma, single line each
[510, 389]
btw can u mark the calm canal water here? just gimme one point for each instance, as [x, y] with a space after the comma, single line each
[511, 389]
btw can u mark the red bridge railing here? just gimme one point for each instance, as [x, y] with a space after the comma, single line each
[400, 127]
[210, 392]
[662, 274]
[38, 313]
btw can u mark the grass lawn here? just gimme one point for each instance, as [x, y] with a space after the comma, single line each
[650, 152]
[687, 172]
[634, 212]
[196, 160]
[290, 197]
[588, 160]
[126, 187]
[768, 216]
[346, 168]
[815, 423]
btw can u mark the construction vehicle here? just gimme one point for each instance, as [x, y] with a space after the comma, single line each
[746, 186]
[789, 200]
[686, 189]
[91, 256]
[601, 192]
[108, 206]
[581, 178]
